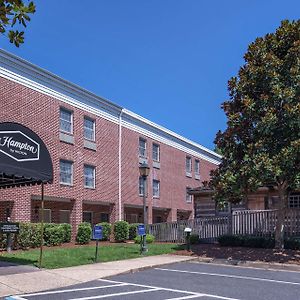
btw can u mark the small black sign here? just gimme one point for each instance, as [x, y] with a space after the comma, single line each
[9, 227]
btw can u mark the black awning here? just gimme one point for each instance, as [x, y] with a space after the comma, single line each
[24, 158]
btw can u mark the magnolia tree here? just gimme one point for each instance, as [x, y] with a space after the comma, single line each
[14, 14]
[261, 145]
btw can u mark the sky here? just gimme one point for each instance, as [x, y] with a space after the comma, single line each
[166, 60]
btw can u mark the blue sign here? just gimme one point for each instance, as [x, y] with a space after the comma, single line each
[97, 232]
[141, 229]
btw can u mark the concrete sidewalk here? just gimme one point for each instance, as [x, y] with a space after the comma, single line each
[39, 280]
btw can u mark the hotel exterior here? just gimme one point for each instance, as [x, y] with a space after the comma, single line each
[96, 148]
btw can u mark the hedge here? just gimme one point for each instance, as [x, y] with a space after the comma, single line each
[194, 238]
[30, 235]
[121, 231]
[106, 230]
[133, 230]
[257, 242]
[84, 233]
[149, 239]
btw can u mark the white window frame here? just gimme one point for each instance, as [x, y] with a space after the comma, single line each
[188, 197]
[85, 176]
[142, 151]
[63, 120]
[188, 166]
[157, 158]
[197, 167]
[294, 201]
[156, 189]
[141, 186]
[71, 163]
[86, 118]
[45, 210]
[65, 210]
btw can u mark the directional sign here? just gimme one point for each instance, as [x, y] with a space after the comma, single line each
[9, 227]
[97, 232]
[141, 229]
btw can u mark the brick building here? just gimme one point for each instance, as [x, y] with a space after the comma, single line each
[96, 147]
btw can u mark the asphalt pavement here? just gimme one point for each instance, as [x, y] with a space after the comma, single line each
[184, 280]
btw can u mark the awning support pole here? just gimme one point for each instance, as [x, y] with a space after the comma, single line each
[42, 228]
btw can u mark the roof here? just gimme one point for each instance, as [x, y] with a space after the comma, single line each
[23, 72]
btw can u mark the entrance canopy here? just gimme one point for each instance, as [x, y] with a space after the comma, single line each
[24, 158]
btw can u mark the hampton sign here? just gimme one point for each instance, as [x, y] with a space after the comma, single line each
[19, 146]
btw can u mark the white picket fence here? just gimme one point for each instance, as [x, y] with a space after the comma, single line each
[248, 222]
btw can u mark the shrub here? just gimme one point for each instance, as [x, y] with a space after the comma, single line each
[24, 236]
[35, 235]
[230, 240]
[67, 232]
[149, 239]
[246, 241]
[121, 231]
[84, 233]
[106, 230]
[2, 241]
[292, 243]
[133, 230]
[194, 238]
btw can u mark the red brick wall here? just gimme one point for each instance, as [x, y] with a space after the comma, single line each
[40, 113]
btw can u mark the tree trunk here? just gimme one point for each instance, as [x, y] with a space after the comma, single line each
[279, 231]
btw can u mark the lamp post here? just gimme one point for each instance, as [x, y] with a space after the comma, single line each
[144, 172]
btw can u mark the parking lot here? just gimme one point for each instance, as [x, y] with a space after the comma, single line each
[185, 281]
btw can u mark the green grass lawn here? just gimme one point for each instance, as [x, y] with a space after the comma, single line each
[67, 257]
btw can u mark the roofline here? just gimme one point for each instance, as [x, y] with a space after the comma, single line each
[43, 77]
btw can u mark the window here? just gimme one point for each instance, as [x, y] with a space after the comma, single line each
[47, 215]
[294, 201]
[142, 147]
[87, 216]
[156, 188]
[89, 129]
[155, 152]
[66, 120]
[89, 176]
[64, 216]
[188, 196]
[197, 167]
[141, 186]
[188, 166]
[104, 217]
[66, 172]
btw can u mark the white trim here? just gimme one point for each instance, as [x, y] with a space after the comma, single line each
[20, 71]
[120, 169]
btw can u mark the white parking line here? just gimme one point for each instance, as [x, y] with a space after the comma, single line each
[71, 290]
[115, 294]
[190, 294]
[229, 276]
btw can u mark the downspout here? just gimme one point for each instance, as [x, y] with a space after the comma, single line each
[120, 167]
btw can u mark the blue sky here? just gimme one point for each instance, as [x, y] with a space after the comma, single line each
[167, 60]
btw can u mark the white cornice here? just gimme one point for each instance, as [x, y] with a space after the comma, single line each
[20, 71]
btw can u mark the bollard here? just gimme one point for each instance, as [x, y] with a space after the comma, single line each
[188, 231]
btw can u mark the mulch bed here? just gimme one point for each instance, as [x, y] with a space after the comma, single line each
[242, 253]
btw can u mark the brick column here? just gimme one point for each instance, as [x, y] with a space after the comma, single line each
[76, 217]
[172, 217]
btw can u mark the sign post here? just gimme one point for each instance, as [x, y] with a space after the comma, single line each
[97, 235]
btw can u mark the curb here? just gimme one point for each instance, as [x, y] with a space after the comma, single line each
[252, 264]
